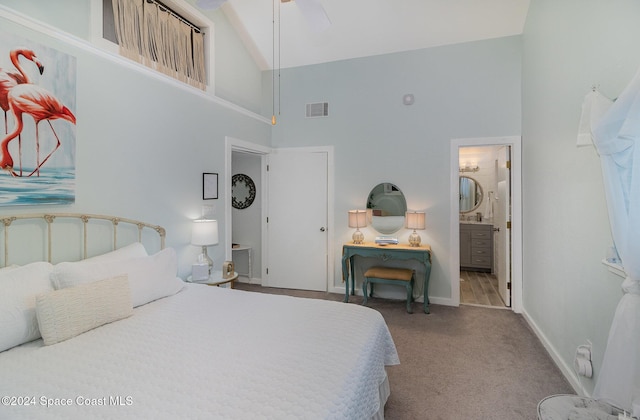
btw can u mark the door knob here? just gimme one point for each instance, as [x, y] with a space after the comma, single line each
[322, 229]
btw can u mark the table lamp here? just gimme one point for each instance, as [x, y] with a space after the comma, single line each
[357, 219]
[415, 220]
[204, 233]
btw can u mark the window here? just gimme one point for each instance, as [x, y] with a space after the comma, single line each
[152, 33]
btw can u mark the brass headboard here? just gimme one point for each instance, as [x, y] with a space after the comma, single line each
[83, 220]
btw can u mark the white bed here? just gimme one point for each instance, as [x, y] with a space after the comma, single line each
[200, 352]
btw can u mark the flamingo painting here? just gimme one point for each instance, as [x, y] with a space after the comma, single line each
[41, 105]
[45, 173]
[10, 79]
[6, 162]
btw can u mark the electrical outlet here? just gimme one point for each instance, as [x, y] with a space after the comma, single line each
[582, 361]
[584, 352]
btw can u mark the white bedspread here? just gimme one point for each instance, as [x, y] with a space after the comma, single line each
[208, 352]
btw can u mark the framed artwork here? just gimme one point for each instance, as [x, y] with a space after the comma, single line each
[38, 158]
[209, 186]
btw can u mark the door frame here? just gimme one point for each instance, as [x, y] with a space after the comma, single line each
[516, 214]
[236, 145]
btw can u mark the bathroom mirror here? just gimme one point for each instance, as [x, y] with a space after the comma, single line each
[470, 194]
[386, 207]
[243, 191]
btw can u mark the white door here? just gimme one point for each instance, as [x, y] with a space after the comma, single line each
[297, 220]
[502, 236]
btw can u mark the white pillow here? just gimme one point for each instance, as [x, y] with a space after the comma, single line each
[63, 314]
[134, 250]
[150, 278]
[18, 289]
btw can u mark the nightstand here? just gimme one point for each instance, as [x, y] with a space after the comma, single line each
[215, 279]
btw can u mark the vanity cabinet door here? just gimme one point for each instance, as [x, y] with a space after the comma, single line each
[476, 247]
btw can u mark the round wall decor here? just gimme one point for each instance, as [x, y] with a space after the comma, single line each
[243, 191]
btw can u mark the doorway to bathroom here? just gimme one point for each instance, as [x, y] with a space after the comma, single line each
[485, 222]
[485, 204]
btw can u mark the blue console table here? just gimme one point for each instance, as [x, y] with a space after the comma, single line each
[387, 252]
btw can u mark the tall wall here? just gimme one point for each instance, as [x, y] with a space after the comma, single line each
[570, 46]
[464, 90]
[143, 141]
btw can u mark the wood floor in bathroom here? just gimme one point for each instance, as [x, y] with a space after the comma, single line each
[478, 288]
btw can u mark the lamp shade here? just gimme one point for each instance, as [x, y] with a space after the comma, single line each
[204, 232]
[357, 218]
[369, 216]
[415, 219]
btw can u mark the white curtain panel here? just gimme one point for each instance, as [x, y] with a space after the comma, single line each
[617, 139]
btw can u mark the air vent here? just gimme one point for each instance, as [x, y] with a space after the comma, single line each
[320, 109]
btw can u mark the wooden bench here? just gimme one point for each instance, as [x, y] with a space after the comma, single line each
[389, 275]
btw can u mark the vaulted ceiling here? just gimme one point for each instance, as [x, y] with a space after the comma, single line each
[361, 28]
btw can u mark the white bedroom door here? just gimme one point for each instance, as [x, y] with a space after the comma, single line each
[502, 219]
[297, 219]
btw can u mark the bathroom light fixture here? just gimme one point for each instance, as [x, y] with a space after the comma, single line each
[357, 219]
[468, 168]
[415, 220]
[204, 233]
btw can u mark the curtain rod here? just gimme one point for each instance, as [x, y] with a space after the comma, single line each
[166, 8]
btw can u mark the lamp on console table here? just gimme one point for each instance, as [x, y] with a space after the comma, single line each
[357, 219]
[205, 233]
[415, 220]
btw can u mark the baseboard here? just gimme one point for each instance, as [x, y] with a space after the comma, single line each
[566, 370]
[401, 296]
[247, 280]
[439, 301]
[339, 290]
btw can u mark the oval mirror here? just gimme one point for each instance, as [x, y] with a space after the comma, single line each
[470, 194]
[387, 206]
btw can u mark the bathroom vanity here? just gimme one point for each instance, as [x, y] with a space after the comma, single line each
[476, 246]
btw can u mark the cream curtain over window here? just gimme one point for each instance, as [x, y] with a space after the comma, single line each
[154, 37]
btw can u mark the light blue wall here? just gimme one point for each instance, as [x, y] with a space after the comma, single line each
[143, 143]
[238, 78]
[569, 46]
[71, 16]
[465, 90]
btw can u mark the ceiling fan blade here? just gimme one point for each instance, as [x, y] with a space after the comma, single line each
[315, 14]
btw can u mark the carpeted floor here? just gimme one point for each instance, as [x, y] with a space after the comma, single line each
[460, 363]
